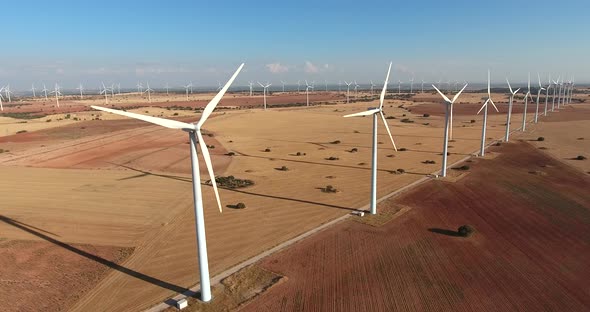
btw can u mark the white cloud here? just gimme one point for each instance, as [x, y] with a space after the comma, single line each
[277, 68]
[310, 68]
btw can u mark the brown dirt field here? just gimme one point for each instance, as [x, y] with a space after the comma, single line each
[529, 253]
[46, 276]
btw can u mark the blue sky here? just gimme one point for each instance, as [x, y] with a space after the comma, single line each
[129, 41]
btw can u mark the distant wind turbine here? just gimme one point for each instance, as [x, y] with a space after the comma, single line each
[423, 85]
[139, 88]
[307, 87]
[81, 88]
[356, 86]
[149, 92]
[264, 90]
[372, 87]
[376, 112]
[448, 104]
[538, 96]
[251, 84]
[57, 94]
[8, 92]
[283, 83]
[412, 85]
[105, 91]
[33, 89]
[547, 94]
[187, 88]
[509, 114]
[347, 91]
[554, 93]
[45, 91]
[526, 101]
[484, 107]
[1, 99]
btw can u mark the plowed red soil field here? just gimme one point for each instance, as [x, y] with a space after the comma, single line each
[530, 252]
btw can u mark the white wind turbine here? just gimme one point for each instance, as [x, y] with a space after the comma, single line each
[250, 84]
[112, 90]
[186, 88]
[219, 87]
[484, 107]
[510, 102]
[547, 94]
[559, 93]
[264, 90]
[448, 104]
[356, 88]
[1, 99]
[33, 89]
[81, 88]
[572, 90]
[119, 88]
[347, 91]
[423, 85]
[57, 94]
[554, 93]
[105, 91]
[195, 135]
[538, 97]
[526, 101]
[191, 86]
[8, 92]
[399, 86]
[298, 85]
[375, 112]
[372, 87]
[45, 91]
[149, 92]
[167, 88]
[326, 85]
[412, 85]
[283, 83]
[307, 87]
[139, 88]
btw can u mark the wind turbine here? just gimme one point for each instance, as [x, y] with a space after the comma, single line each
[105, 91]
[526, 101]
[186, 88]
[449, 104]
[326, 84]
[265, 87]
[81, 90]
[1, 98]
[399, 86]
[195, 135]
[45, 91]
[119, 88]
[372, 87]
[512, 93]
[356, 86]
[375, 112]
[112, 90]
[538, 96]
[250, 84]
[422, 85]
[484, 107]
[149, 91]
[167, 87]
[298, 85]
[57, 94]
[347, 91]
[307, 87]
[219, 87]
[412, 85]
[547, 94]
[283, 83]
[554, 93]
[8, 92]
[33, 88]
[139, 88]
[559, 92]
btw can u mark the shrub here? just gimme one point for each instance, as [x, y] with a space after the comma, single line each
[430, 162]
[472, 120]
[240, 206]
[390, 117]
[579, 138]
[400, 170]
[48, 120]
[67, 116]
[231, 182]
[175, 114]
[3, 151]
[425, 115]
[497, 144]
[329, 189]
[332, 158]
[580, 157]
[463, 168]
[21, 131]
[402, 149]
[403, 115]
[407, 120]
[267, 150]
[230, 154]
[210, 146]
[465, 230]
[283, 168]
[540, 139]
[335, 142]
[354, 150]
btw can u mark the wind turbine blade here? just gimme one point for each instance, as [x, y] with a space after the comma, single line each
[209, 165]
[172, 124]
[382, 98]
[441, 94]
[489, 95]
[538, 76]
[387, 128]
[260, 84]
[516, 90]
[484, 105]
[457, 95]
[211, 106]
[509, 86]
[494, 105]
[365, 113]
